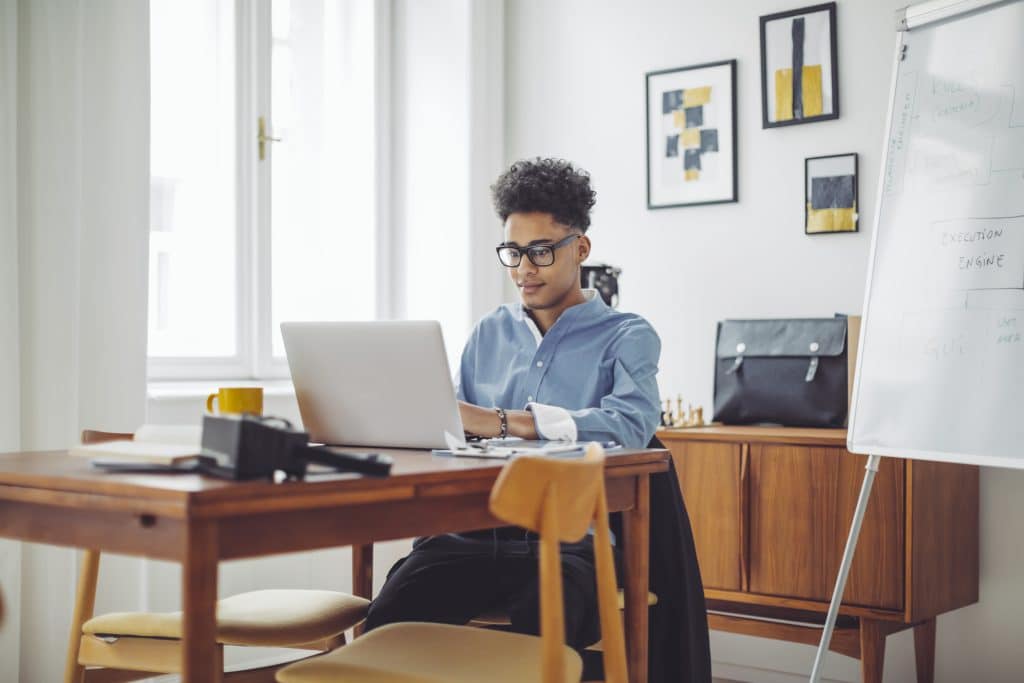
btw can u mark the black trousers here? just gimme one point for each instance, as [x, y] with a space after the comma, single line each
[453, 578]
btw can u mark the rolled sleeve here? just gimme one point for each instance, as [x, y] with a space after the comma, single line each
[552, 422]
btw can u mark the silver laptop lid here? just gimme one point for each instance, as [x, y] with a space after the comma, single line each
[383, 384]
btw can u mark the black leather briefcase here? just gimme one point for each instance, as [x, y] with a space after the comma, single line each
[786, 372]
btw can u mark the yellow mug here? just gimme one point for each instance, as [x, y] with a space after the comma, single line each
[236, 400]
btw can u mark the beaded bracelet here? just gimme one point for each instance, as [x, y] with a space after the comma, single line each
[504, 422]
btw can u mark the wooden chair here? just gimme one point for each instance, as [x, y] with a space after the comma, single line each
[128, 646]
[559, 499]
[493, 618]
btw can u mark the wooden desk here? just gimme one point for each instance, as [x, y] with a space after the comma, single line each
[771, 510]
[50, 497]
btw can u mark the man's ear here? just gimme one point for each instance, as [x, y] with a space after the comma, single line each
[584, 248]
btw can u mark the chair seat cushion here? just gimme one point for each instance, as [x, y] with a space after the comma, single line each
[266, 617]
[430, 653]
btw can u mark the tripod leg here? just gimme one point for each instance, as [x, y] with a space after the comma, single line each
[871, 470]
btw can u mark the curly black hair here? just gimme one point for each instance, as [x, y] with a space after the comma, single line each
[547, 185]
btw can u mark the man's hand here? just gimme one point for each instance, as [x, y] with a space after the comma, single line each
[485, 422]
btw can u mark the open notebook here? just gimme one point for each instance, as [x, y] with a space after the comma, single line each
[159, 444]
[511, 447]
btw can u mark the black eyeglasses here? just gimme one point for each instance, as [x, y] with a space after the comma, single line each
[539, 254]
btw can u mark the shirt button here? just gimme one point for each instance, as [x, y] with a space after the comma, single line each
[540, 364]
[529, 398]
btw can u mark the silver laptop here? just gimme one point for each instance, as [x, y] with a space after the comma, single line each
[382, 384]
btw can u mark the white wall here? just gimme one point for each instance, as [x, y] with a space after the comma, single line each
[486, 151]
[575, 88]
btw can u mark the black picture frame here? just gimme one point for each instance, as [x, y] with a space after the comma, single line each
[809, 200]
[772, 121]
[730, 146]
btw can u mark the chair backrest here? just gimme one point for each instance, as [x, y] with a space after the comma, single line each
[530, 487]
[92, 436]
[559, 499]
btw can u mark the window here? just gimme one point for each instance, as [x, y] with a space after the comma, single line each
[243, 240]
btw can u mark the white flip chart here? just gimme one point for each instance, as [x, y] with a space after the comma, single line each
[940, 372]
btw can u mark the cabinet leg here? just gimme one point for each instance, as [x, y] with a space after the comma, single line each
[924, 650]
[872, 650]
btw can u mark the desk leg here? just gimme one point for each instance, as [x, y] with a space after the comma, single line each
[201, 659]
[636, 561]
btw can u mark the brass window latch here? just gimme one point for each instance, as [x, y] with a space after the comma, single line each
[263, 138]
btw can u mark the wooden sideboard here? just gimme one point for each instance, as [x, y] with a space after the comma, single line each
[771, 510]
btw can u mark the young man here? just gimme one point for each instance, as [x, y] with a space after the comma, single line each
[559, 365]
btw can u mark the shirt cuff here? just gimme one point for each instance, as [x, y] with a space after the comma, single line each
[552, 422]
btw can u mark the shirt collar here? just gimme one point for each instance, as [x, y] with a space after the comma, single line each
[589, 295]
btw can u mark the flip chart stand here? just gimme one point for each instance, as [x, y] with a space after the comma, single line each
[870, 470]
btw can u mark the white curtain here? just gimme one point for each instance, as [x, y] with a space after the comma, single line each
[10, 439]
[77, 291]
[9, 383]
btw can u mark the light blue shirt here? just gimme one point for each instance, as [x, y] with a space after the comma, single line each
[595, 366]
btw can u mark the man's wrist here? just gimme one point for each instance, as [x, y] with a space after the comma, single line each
[485, 423]
[520, 424]
[502, 423]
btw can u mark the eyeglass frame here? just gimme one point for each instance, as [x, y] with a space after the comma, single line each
[555, 246]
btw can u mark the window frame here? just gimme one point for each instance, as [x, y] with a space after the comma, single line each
[254, 358]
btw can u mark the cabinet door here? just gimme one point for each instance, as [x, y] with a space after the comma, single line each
[709, 475]
[801, 505]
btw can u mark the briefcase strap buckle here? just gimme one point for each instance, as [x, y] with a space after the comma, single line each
[812, 369]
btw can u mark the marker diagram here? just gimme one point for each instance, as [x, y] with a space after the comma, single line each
[976, 254]
[958, 136]
[963, 133]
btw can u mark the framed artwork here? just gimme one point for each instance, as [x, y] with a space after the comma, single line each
[830, 194]
[799, 68]
[691, 135]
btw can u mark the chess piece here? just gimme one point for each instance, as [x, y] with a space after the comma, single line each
[680, 420]
[682, 417]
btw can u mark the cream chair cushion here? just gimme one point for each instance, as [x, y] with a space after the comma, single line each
[159, 655]
[267, 617]
[431, 653]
